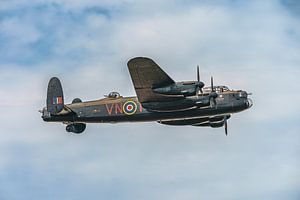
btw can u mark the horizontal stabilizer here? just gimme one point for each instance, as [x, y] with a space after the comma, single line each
[55, 97]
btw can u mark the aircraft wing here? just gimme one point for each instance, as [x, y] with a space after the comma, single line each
[184, 122]
[145, 75]
[216, 121]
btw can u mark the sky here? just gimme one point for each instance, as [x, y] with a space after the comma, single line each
[250, 45]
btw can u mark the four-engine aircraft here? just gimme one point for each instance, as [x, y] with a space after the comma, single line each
[159, 98]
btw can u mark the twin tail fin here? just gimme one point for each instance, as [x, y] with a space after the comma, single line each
[55, 96]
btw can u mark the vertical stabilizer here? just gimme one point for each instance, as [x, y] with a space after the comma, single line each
[55, 96]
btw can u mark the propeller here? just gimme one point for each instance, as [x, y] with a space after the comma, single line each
[199, 84]
[225, 125]
[213, 95]
[212, 84]
[198, 74]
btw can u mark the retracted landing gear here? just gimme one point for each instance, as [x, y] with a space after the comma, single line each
[76, 128]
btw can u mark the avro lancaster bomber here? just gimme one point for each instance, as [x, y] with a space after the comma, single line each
[159, 98]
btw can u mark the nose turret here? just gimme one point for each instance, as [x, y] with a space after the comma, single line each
[242, 100]
[249, 102]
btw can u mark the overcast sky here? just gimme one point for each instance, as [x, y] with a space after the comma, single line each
[251, 45]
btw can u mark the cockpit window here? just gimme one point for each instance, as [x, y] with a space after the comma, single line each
[114, 95]
[218, 89]
[222, 89]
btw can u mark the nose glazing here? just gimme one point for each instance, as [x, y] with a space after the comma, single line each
[249, 103]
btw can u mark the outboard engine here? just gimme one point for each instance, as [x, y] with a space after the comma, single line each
[181, 88]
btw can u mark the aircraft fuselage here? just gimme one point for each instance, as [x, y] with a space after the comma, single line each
[128, 109]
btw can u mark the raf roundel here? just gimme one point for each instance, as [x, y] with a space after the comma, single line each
[129, 107]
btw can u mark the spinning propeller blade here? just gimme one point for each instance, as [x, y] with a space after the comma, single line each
[212, 84]
[213, 94]
[199, 84]
[198, 74]
[226, 126]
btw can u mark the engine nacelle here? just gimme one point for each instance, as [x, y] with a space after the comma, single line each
[181, 88]
[217, 124]
[212, 124]
[76, 128]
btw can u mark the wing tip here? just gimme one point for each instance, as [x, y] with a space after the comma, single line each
[138, 59]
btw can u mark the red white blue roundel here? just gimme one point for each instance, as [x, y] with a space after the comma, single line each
[129, 107]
